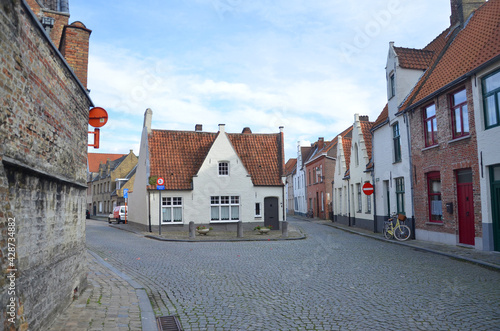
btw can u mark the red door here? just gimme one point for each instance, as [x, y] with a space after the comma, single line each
[465, 206]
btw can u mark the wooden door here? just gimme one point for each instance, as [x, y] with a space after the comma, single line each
[465, 206]
[271, 213]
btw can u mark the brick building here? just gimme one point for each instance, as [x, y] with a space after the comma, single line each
[444, 126]
[108, 184]
[43, 153]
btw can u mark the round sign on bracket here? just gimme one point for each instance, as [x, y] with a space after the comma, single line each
[98, 117]
[368, 189]
[160, 181]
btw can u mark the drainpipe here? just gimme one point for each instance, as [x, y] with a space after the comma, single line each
[149, 209]
[407, 120]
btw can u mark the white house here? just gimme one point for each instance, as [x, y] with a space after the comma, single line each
[299, 181]
[211, 178]
[341, 201]
[391, 146]
[487, 118]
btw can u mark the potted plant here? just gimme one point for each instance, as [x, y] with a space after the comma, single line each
[263, 229]
[202, 229]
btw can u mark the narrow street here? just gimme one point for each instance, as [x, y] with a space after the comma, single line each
[331, 280]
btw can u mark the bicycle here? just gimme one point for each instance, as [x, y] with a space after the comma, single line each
[310, 213]
[399, 231]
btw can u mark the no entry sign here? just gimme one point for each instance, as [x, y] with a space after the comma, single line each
[368, 189]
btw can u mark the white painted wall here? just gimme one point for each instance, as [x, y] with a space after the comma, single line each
[340, 185]
[299, 190]
[488, 142]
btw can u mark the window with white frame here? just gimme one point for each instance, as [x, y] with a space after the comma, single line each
[224, 168]
[392, 86]
[171, 209]
[491, 99]
[257, 209]
[224, 208]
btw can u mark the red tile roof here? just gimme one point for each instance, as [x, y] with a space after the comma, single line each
[261, 155]
[94, 159]
[411, 58]
[383, 117]
[367, 136]
[474, 45]
[290, 166]
[178, 155]
[346, 144]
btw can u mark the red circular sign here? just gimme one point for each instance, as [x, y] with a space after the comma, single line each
[160, 181]
[368, 189]
[98, 117]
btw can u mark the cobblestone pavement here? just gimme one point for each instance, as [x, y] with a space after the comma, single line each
[330, 281]
[108, 303]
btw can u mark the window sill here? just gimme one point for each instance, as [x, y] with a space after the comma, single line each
[219, 222]
[172, 223]
[430, 147]
[434, 223]
[399, 161]
[459, 139]
[258, 217]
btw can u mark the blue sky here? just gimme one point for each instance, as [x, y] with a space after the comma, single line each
[305, 64]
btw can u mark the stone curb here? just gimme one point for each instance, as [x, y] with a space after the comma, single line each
[304, 236]
[416, 247]
[148, 319]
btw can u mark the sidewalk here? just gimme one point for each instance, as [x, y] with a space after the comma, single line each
[487, 259]
[111, 302]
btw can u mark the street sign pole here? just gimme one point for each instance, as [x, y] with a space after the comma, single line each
[159, 213]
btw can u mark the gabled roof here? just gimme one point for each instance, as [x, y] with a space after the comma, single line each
[367, 136]
[469, 48]
[261, 155]
[411, 58]
[178, 155]
[94, 159]
[382, 118]
[290, 166]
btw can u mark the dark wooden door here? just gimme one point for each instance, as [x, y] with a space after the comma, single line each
[495, 208]
[271, 213]
[466, 233]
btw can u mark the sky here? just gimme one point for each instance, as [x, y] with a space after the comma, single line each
[307, 65]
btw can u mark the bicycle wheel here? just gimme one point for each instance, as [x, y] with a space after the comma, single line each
[387, 234]
[402, 232]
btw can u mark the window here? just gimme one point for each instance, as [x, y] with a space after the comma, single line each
[491, 99]
[360, 202]
[257, 208]
[309, 177]
[396, 140]
[356, 157]
[322, 202]
[340, 201]
[430, 125]
[434, 195]
[459, 115]
[392, 86]
[400, 195]
[225, 208]
[171, 210]
[223, 168]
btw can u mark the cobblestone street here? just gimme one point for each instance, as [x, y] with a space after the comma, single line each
[331, 280]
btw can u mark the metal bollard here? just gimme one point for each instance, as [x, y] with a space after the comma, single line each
[240, 229]
[284, 229]
[192, 234]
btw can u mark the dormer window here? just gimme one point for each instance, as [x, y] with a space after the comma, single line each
[224, 168]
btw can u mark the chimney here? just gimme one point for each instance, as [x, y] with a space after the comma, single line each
[462, 9]
[246, 130]
[364, 118]
[75, 49]
[321, 142]
[222, 128]
[148, 115]
[198, 127]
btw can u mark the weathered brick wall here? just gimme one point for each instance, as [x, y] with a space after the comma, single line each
[43, 150]
[446, 158]
[75, 48]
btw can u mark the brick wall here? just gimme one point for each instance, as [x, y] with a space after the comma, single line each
[43, 154]
[75, 48]
[448, 157]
